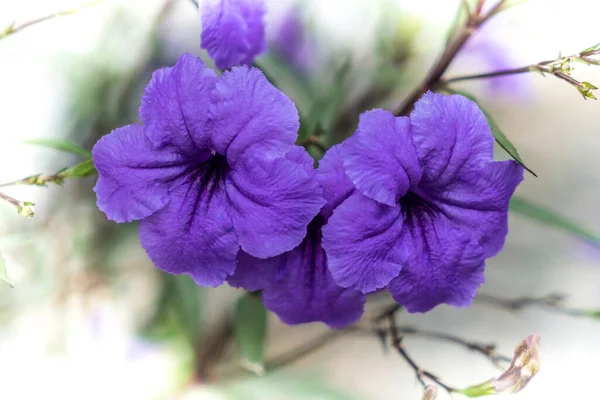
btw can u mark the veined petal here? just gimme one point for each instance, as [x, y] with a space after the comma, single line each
[233, 31]
[360, 240]
[248, 112]
[175, 105]
[194, 234]
[380, 157]
[336, 185]
[443, 263]
[452, 138]
[272, 202]
[307, 292]
[254, 273]
[133, 176]
[478, 202]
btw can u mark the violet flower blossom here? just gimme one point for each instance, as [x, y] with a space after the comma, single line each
[293, 42]
[213, 169]
[297, 285]
[429, 204]
[233, 31]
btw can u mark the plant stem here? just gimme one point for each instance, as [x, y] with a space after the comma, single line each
[10, 200]
[486, 350]
[514, 71]
[419, 373]
[13, 28]
[473, 22]
[551, 302]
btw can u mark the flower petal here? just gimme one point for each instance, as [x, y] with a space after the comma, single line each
[233, 31]
[272, 202]
[193, 235]
[175, 105]
[134, 176]
[247, 111]
[308, 293]
[254, 273]
[380, 157]
[479, 202]
[452, 137]
[443, 264]
[336, 185]
[360, 242]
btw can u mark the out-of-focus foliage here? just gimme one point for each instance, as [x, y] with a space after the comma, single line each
[250, 323]
[272, 387]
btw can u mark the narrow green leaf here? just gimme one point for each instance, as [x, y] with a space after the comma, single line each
[540, 214]
[178, 310]
[61, 145]
[324, 111]
[500, 137]
[4, 272]
[84, 168]
[279, 73]
[250, 324]
[336, 95]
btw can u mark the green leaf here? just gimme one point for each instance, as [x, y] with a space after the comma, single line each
[84, 168]
[540, 214]
[324, 111]
[4, 272]
[500, 137]
[336, 95]
[62, 145]
[283, 77]
[250, 324]
[178, 310]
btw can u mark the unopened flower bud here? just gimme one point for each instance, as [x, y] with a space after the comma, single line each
[26, 209]
[525, 364]
[430, 393]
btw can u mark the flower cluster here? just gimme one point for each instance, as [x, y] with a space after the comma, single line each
[412, 204]
[429, 204]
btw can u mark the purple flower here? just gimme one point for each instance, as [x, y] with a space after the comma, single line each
[429, 204]
[293, 42]
[233, 31]
[297, 285]
[213, 169]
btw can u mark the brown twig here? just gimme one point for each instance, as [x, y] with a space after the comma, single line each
[306, 349]
[552, 302]
[210, 350]
[560, 68]
[474, 21]
[420, 374]
[488, 350]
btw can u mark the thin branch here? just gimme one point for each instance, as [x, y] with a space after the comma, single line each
[210, 350]
[306, 349]
[474, 22]
[14, 28]
[24, 208]
[314, 141]
[560, 68]
[513, 71]
[419, 372]
[488, 351]
[552, 302]
[387, 312]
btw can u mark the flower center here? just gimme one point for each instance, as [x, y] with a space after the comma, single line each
[211, 173]
[415, 206]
